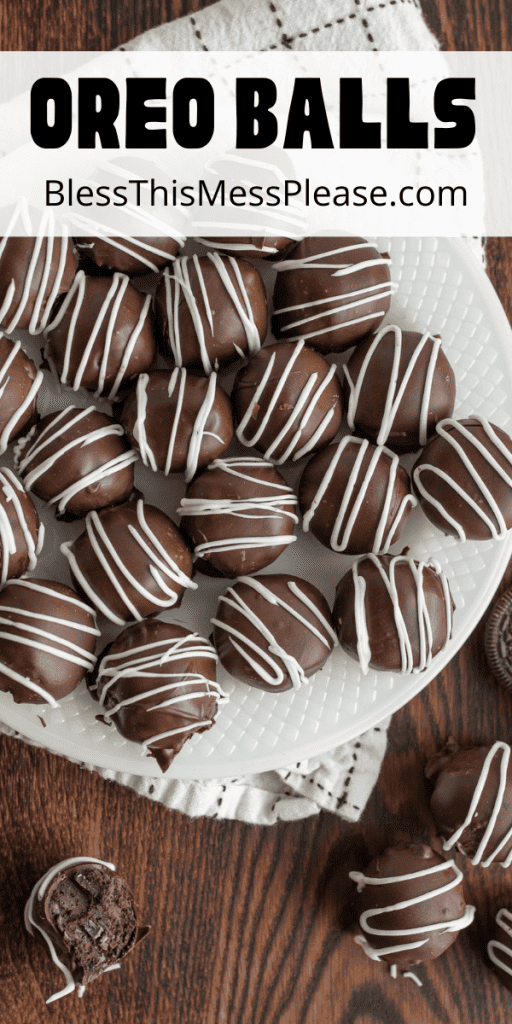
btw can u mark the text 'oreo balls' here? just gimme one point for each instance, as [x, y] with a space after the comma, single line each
[178, 421]
[472, 801]
[288, 402]
[86, 915]
[463, 479]
[499, 947]
[239, 515]
[392, 613]
[398, 385]
[101, 335]
[354, 497]
[48, 637]
[78, 460]
[273, 632]
[411, 906]
[157, 683]
[130, 562]
[19, 383]
[331, 292]
[21, 533]
[36, 267]
[210, 311]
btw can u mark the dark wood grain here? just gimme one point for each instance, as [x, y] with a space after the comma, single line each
[250, 925]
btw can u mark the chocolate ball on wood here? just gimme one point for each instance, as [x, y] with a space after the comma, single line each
[19, 384]
[211, 311]
[130, 562]
[411, 905]
[77, 460]
[288, 402]
[463, 479]
[355, 497]
[48, 640]
[472, 800]
[86, 915]
[177, 420]
[331, 292]
[101, 336]
[21, 533]
[398, 385]
[393, 613]
[499, 947]
[157, 683]
[239, 515]
[273, 632]
[132, 256]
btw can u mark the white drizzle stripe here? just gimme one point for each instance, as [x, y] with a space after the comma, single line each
[38, 893]
[396, 387]
[9, 486]
[472, 810]
[357, 303]
[293, 667]
[45, 233]
[308, 262]
[196, 726]
[388, 576]
[61, 597]
[87, 662]
[504, 921]
[381, 543]
[10, 426]
[18, 678]
[498, 528]
[440, 926]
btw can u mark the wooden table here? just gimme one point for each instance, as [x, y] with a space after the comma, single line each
[245, 919]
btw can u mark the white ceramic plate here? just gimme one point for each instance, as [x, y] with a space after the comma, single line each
[441, 287]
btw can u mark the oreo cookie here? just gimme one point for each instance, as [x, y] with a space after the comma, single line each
[498, 640]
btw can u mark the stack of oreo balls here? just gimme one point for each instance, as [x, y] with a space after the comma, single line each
[258, 376]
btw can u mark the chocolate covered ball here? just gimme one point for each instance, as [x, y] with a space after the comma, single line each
[354, 497]
[130, 256]
[273, 632]
[86, 915]
[331, 292]
[178, 421]
[130, 562]
[34, 271]
[398, 385]
[211, 311]
[266, 247]
[463, 479]
[392, 613]
[19, 383]
[48, 639]
[239, 515]
[101, 335]
[410, 903]
[472, 800]
[287, 401]
[77, 460]
[21, 533]
[499, 947]
[157, 683]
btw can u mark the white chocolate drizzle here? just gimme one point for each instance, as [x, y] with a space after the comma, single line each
[504, 921]
[145, 662]
[45, 639]
[399, 933]
[38, 893]
[397, 387]
[177, 384]
[355, 299]
[182, 289]
[165, 572]
[280, 662]
[10, 488]
[387, 573]
[298, 420]
[26, 452]
[262, 507]
[129, 243]
[45, 234]
[497, 527]
[106, 318]
[473, 809]
[382, 540]
[10, 426]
